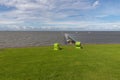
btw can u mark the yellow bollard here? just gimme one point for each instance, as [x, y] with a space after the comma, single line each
[56, 46]
[78, 45]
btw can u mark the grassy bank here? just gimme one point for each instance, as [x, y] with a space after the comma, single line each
[94, 62]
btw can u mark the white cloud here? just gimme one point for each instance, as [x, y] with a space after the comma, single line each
[96, 3]
[75, 25]
[88, 25]
[101, 16]
[10, 22]
[43, 9]
[75, 5]
[47, 11]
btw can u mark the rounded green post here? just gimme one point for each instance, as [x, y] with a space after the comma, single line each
[56, 46]
[78, 45]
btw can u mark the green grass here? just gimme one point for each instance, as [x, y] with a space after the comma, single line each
[94, 62]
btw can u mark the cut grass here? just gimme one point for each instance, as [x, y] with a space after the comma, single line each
[94, 62]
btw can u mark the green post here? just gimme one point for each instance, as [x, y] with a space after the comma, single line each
[56, 46]
[78, 45]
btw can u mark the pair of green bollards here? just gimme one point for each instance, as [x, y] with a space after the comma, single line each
[77, 45]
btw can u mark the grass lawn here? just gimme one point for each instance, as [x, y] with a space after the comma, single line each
[94, 62]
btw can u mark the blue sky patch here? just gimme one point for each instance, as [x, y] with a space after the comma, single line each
[5, 8]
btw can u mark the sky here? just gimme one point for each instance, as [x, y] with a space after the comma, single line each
[71, 15]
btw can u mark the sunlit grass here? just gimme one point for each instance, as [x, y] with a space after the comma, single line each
[93, 62]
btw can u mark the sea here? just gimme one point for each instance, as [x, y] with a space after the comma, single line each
[46, 38]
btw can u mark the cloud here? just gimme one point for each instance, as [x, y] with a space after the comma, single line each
[44, 10]
[96, 3]
[8, 22]
[55, 14]
[80, 26]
